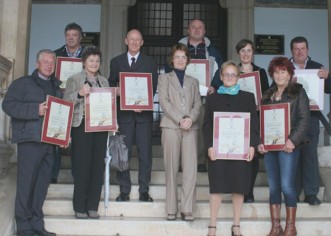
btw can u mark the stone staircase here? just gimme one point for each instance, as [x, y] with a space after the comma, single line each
[136, 218]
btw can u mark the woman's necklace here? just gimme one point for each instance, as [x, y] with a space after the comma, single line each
[278, 95]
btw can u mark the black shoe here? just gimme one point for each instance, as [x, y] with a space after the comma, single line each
[249, 199]
[312, 200]
[123, 197]
[44, 232]
[202, 168]
[144, 197]
[26, 233]
[53, 181]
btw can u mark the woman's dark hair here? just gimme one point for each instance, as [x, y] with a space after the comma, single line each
[282, 63]
[174, 49]
[243, 43]
[90, 50]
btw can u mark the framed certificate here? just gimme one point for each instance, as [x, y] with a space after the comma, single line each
[200, 69]
[100, 110]
[231, 135]
[275, 125]
[136, 91]
[250, 82]
[313, 85]
[67, 66]
[57, 121]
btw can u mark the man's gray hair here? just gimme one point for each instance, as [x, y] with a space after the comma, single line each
[45, 51]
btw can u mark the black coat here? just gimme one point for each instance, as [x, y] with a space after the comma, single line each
[21, 103]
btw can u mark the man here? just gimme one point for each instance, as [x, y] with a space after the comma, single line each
[135, 123]
[73, 35]
[25, 103]
[200, 48]
[308, 171]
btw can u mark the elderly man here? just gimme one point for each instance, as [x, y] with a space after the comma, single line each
[135, 123]
[25, 103]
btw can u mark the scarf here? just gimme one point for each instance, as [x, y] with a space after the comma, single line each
[231, 90]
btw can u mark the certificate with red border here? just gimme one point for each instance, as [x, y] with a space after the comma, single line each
[100, 110]
[275, 125]
[200, 69]
[313, 85]
[66, 67]
[231, 135]
[136, 91]
[250, 82]
[57, 121]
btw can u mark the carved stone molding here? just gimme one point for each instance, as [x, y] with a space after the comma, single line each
[66, 1]
[290, 3]
[5, 67]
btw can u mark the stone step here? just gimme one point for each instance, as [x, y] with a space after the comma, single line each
[134, 208]
[157, 177]
[158, 192]
[131, 226]
[157, 163]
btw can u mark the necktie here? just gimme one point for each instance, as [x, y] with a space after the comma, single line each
[133, 62]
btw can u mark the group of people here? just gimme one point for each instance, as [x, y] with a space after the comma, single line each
[187, 130]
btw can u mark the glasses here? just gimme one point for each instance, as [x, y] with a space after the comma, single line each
[230, 76]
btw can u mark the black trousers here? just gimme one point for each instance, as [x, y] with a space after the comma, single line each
[34, 169]
[143, 134]
[88, 154]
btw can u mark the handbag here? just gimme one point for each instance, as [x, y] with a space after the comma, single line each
[118, 152]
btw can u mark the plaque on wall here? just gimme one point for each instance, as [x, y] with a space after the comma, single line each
[91, 38]
[269, 44]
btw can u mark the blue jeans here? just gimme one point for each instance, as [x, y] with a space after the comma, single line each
[281, 170]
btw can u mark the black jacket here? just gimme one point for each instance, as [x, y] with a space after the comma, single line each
[296, 95]
[21, 103]
[62, 52]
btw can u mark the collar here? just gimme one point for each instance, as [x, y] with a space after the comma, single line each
[43, 77]
[130, 56]
[73, 54]
[296, 66]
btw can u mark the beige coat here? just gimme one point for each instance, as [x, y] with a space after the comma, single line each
[74, 84]
[177, 101]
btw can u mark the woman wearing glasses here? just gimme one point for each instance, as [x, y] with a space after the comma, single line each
[229, 176]
[179, 98]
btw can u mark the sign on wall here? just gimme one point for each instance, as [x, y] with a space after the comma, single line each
[269, 44]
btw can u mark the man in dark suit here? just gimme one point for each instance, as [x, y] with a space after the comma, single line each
[135, 123]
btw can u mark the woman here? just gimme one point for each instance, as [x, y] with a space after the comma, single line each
[281, 165]
[88, 148]
[245, 50]
[229, 176]
[179, 98]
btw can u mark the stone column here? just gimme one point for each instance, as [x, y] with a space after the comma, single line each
[15, 21]
[240, 23]
[114, 25]
[15, 33]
